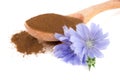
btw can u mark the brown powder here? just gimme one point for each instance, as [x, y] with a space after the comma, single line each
[52, 22]
[27, 44]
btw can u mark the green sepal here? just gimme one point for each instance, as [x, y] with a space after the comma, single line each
[90, 62]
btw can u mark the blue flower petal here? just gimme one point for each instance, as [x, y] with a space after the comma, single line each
[84, 60]
[61, 47]
[94, 29]
[78, 51]
[75, 38]
[75, 60]
[96, 33]
[68, 57]
[97, 53]
[66, 31]
[83, 31]
[72, 58]
[78, 45]
[60, 54]
[61, 37]
[61, 50]
[72, 47]
[72, 32]
[84, 52]
[90, 53]
[57, 35]
[101, 44]
[101, 37]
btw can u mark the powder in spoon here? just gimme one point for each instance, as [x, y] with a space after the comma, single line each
[52, 23]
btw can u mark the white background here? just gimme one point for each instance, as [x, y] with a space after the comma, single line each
[13, 66]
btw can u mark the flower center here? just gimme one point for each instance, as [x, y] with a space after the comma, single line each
[89, 43]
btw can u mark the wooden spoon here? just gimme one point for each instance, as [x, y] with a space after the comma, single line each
[43, 28]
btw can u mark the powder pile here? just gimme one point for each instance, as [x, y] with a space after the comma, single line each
[27, 44]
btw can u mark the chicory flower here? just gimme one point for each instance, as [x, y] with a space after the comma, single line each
[64, 49]
[81, 46]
